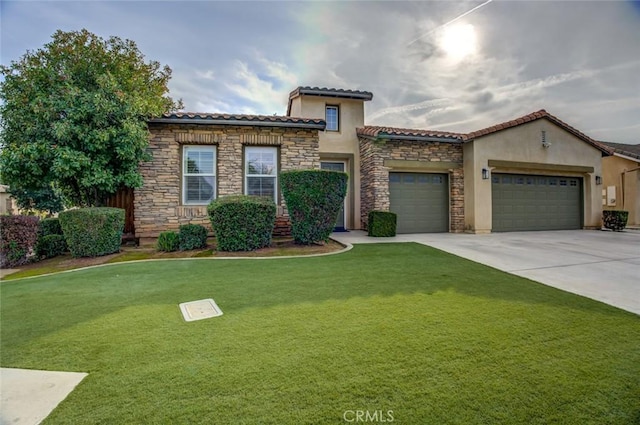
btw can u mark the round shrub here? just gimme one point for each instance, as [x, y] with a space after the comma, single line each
[313, 198]
[168, 241]
[242, 223]
[192, 236]
[92, 232]
[50, 246]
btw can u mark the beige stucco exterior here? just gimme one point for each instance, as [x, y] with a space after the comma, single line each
[341, 145]
[623, 174]
[8, 205]
[519, 150]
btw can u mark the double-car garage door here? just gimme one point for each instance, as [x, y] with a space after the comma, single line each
[421, 202]
[528, 202]
[519, 202]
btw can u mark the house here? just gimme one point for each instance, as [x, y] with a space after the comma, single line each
[532, 173]
[621, 180]
[8, 205]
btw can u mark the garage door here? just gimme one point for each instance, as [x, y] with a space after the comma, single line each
[421, 202]
[527, 202]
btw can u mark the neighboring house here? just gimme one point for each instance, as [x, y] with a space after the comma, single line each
[621, 180]
[8, 205]
[532, 173]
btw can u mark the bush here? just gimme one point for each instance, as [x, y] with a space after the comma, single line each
[50, 226]
[192, 236]
[18, 238]
[92, 232]
[242, 223]
[168, 241]
[614, 219]
[382, 223]
[313, 198]
[50, 246]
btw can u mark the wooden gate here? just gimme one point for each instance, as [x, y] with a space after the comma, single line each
[123, 198]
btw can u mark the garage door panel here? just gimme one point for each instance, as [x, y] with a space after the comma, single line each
[526, 202]
[421, 202]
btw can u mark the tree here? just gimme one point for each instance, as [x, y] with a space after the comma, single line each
[74, 117]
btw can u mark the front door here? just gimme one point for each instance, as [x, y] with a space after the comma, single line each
[336, 166]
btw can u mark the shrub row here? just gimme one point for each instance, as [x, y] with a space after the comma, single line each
[18, 238]
[51, 241]
[313, 198]
[91, 232]
[241, 222]
[190, 236]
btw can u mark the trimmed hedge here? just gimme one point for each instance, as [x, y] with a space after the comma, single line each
[51, 241]
[382, 223]
[50, 226]
[614, 219]
[92, 232]
[192, 236]
[241, 222]
[18, 238]
[313, 198]
[168, 241]
[50, 246]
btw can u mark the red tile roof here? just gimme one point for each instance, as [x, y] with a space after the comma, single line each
[536, 116]
[371, 131]
[240, 119]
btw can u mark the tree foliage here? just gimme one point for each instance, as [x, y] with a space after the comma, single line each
[74, 116]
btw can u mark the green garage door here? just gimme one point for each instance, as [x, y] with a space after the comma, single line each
[421, 202]
[526, 202]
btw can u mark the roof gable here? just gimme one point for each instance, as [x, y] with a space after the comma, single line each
[541, 114]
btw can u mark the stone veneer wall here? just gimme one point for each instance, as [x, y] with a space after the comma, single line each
[375, 175]
[158, 203]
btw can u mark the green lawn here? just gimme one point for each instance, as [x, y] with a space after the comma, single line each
[387, 327]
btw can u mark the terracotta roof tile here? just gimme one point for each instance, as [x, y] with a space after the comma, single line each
[371, 131]
[240, 119]
[632, 151]
[330, 92]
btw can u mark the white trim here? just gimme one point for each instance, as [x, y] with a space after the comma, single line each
[274, 174]
[184, 173]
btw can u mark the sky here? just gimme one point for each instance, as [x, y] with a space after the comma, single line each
[443, 65]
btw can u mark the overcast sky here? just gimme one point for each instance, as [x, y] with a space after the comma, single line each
[457, 66]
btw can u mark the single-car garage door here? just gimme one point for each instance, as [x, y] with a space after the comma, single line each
[528, 202]
[421, 202]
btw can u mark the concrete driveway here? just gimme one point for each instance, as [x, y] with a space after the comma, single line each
[601, 265]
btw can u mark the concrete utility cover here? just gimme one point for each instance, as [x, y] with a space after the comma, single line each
[201, 309]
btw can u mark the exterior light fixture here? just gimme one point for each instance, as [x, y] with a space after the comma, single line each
[543, 139]
[598, 180]
[485, 174]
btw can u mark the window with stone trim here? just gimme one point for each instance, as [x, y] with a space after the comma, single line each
[332, 118]
[198, 174]
[261, 171]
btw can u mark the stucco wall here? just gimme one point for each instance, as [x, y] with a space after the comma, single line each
[522, 147]
[158, 203]
[380, 158]
[623, 174]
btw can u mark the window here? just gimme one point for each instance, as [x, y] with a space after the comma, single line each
[261, 170]
[332, 113]
[198, 174]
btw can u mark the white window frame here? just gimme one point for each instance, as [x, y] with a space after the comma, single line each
[326, 111]
[185, 173]
[261, 149]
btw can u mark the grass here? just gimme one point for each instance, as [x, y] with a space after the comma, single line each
[387, 327]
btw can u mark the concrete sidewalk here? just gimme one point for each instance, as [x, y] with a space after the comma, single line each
[29, 396]
[601, 265]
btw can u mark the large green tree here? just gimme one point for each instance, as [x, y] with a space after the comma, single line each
[74, 117]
